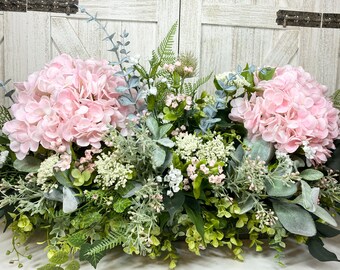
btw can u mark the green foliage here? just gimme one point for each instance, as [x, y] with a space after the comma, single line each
[311, 175]
[92, 259]
[28, 164]
[294, 218]
[193, 210]
[191, 89]
[73, 265]
[336, 99]
[266, 73]
[317, 250]
[5, 116]
[164, 53]
[60, 257]
[121, 204]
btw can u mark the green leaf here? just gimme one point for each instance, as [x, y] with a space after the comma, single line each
[278, 188]
[193, 210]
[309, 197]
[76, 173]
[294, 218]
[63, 178]
[174, 205]
[93, 259]
[70, 202]
[166, 142]
[197, 186]
[121, 204]
[74, 265]
[152, 125]
[267, 73]
[158, 157]
[50, 266]
[261, 149]
[326, 231]
[130, 189]
[163, 130]
[76, 239]
[59, 257]
[247, 205]
[28, 164]
[317, 250]
[324, 215]
[311, 175]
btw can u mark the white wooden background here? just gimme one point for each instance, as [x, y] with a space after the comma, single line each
[222, 34]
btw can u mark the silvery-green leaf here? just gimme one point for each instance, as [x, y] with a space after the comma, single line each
[279, 188]
[158, 157]
[163, 130]
[294, 218]
[121, 88]
[70, 202]
[309, 196]
[247, 205]
[133, 81]
[324, 215]
[239, 153]
[311, 175]
[54, 195]
[166, 142]
[262, 149]
[125, 101]
[28, 164]
[152, 125]
[136, 186]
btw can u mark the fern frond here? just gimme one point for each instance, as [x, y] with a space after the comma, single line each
[336, 99]
[190, 89]
[4, 116]
[164, 50]
[113, 239]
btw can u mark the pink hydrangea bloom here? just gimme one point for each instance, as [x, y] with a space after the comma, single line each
[68, 101]
[292, 111]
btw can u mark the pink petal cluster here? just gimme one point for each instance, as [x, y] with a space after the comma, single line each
[291, 111]
[69, 100]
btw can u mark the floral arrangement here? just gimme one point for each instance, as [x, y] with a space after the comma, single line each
[101, 154]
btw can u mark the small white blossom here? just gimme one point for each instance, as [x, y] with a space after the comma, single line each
[3, 157]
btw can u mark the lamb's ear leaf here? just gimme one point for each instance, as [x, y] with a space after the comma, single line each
[294, 218]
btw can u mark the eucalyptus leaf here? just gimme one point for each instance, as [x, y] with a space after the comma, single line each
[54, 195]
[294, 218]
[63, 178]
[311, 175]
[70, 202]
[279, 188]
[133, 82]
[163, 130]
[130, 189]
[121, 89]
[324, 215]
[28, 164]
[166, 142]
[247, 205]
[152, 125]
[125, 101]
[317, 250]
[158, 157]
[261, 149]
[325, 230]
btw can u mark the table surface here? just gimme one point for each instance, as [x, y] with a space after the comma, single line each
[296, 257]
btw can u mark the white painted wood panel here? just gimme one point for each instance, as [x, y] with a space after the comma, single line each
[227, 33]
[2, 76]
[34, 38]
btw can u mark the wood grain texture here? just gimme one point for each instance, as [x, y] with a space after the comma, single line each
[284, 49]
[168, 13]
[2, 68]
[120, 10]
[66, 39]
[26, 43]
